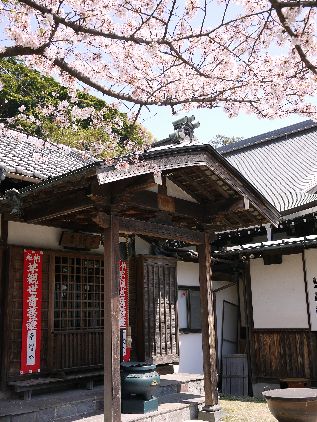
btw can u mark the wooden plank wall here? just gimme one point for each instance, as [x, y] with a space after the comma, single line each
[157, 320]
[282, 353]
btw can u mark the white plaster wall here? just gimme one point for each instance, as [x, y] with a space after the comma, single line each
[230, 295]
[142, 247]
[190, 345]
[36, 236]
[176, 192]
[278, 293]
[191, 354]
[311, 272]
[187, 273]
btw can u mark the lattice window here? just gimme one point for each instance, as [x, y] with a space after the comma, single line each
[78, 300]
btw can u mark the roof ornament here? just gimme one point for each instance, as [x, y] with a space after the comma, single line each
[14, 198]
[184, 130]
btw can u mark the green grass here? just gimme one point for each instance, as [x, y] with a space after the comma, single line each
[245, 409]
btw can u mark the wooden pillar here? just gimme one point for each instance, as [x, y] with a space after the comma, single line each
[112, 385]
[208, 330]
[249, 325]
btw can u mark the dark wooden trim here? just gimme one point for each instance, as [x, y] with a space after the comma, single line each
[75, 202]
[163, 231]
[112, 383]
[208, 323]
[152, 201]
[147, 228]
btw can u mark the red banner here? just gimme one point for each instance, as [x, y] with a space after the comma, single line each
[124, 308]
[32, 307]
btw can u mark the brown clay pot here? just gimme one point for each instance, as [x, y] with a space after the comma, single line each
[293, 404]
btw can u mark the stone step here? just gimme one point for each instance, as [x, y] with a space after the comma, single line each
[179, 395]
[174, 408]
[180, 383]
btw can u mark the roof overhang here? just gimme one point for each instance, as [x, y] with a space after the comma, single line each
[224, 198]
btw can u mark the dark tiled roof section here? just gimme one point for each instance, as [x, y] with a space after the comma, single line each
[283, 167]
[268, 136]
[32, 157]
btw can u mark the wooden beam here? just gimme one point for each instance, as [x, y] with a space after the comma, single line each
[75, 202]
[208, 326]
[147, 228]
[152, 201]
[112, 384]
[162, 231]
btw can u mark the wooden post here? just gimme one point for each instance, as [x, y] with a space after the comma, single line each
[112, 385]
[211, 410]
[250, 326]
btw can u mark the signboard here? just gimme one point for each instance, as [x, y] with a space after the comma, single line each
[124, 309]
[32, 307]
[84, 241]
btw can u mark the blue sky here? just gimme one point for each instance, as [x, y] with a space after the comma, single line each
[212, 122]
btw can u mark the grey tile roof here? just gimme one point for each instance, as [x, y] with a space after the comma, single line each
[270, 245]
[281, 164]
[32, 157]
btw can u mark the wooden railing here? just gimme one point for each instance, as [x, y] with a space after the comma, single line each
[282, 353]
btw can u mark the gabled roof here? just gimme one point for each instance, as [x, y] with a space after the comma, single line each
[33, 158]
[281, 164]
[224, 198]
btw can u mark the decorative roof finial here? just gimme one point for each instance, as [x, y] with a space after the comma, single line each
[184, 130]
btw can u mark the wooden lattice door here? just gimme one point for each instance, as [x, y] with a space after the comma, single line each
[76, 311]
[157, 321]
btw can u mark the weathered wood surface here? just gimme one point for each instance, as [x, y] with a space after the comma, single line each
[282, 354]
[208, 323]
[78, 349]
[112, 383]
[235, 375]
[157, 321]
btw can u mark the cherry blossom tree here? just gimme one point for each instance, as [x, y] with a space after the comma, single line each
[256, 56]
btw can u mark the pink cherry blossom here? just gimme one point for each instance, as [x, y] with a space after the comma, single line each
[255, 56]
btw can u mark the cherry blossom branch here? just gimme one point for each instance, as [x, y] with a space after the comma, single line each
[278, 8]
[298, 3]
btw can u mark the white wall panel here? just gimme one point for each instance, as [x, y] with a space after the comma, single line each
[278, 293]
[187, 273]
[37, 236]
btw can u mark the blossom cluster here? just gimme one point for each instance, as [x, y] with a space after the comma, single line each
[255, 56]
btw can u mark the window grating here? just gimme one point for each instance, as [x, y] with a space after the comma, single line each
[78, 299]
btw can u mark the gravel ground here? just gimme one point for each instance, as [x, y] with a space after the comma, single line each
[245, 410]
